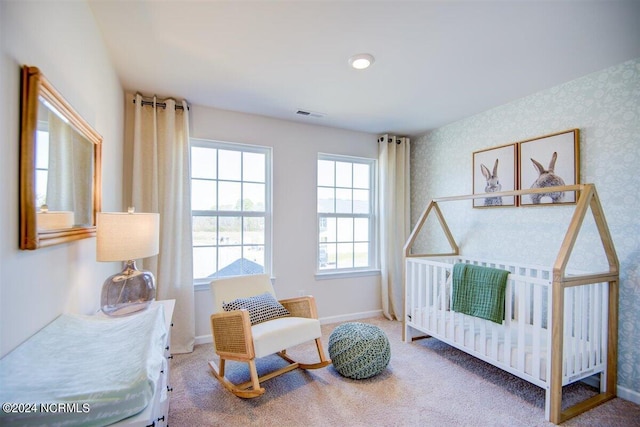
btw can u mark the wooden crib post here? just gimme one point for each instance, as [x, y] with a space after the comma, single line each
[553, 404]
[612, 341]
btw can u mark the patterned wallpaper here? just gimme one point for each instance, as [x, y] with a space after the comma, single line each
[605, 106]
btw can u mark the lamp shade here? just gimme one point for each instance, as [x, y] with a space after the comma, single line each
[54, 220]
[122, 236]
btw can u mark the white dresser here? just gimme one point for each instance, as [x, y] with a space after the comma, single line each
[80, 370]
[157, 413]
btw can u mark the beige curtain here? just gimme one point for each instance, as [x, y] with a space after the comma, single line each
[69, 174]
[59, 183]
[393, 173]
[160, 183]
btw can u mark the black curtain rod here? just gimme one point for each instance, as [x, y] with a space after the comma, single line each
[160, 104]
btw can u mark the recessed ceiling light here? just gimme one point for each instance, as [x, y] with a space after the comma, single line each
[361, 61]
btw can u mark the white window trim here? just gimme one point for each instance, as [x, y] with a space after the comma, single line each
[373, 268]
[203, 283]
[346, 274]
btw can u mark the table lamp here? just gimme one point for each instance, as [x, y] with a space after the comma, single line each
[53, 220]
[127, 236]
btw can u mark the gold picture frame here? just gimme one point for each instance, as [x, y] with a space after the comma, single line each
[547, 161]
[495, 170]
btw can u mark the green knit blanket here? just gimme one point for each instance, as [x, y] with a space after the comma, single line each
[479, 291]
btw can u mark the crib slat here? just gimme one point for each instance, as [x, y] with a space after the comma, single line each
[411, 280]
[447, 292]
[423, 294]
[567, 367]
[411, 289]
[577, 327]
[521, 344]
[604, 345]
[436, 297]
[537, 328]
[508, 316]
[495, 339]
[442, 302]
[595, 325]
[470, 338]
[413, 273]
[528, 309]
[584, 350]
[594, 339]
[420, 279]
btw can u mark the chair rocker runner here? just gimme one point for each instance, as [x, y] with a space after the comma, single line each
[236, 338]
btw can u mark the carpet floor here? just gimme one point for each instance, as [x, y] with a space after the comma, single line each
[427, 383]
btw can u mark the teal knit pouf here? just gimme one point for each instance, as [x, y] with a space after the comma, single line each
[359, 350]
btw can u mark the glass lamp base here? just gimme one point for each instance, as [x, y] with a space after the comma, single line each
[128, 292]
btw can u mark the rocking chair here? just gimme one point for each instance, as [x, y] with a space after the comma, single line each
[241, 333]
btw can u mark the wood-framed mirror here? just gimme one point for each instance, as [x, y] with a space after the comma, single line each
[60, 167]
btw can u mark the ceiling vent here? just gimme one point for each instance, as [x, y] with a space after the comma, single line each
[310, 113]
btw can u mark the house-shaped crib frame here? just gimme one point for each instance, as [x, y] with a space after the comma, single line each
[559, 283]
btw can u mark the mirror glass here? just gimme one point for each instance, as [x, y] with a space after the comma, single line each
[60, 167]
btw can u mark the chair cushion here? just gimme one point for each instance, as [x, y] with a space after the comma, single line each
[227, 289]
[282, 333]
[261, 307]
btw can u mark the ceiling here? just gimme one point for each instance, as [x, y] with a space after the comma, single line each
[435, 61]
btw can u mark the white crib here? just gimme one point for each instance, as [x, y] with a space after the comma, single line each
[558, 328]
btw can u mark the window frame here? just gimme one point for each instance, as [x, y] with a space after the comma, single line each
[42, 127]
[373, 265]
[203, 283]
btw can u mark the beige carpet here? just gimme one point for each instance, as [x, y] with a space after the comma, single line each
[427, 383]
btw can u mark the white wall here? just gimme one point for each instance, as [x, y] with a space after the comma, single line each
[62, 39]
[295, 153]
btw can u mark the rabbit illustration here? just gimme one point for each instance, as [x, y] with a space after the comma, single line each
[547, 178]
[493, 185]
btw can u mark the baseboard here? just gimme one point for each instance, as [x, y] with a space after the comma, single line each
[621, 392]
[349, 317]
[628, 394]
[203, 339]
[206, 339]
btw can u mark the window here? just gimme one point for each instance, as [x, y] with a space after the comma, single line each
[346, 214]
[231, 209]
[42, 162]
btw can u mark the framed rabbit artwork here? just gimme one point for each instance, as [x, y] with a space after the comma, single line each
[494, 170]
[549, 161]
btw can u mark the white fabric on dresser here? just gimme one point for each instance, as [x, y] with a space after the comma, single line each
[110, 363]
